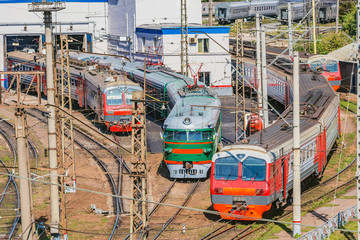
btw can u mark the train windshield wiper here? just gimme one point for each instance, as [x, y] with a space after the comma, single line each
[227, 178]
[256, 175]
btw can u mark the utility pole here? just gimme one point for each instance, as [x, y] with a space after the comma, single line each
[47, 7]
[314, 24]
[264, 78]
[138, 207]
[27, 220]
[240, 128]
[258, 62]
[290, 30]
[358, 119]
[210, 12]
[337, 16]
[184, 55]
[296, 142]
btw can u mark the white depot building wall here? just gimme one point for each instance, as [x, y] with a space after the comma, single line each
[126, 15]
[80, 16]
[213, 59]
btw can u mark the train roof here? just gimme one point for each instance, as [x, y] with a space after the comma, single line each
[316, 95]
[98, 78]
[185, 115]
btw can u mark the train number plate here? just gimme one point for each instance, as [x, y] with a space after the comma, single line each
[188, 171]
[239, 198]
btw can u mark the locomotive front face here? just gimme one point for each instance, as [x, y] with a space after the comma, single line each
[239, 183]
[117, 107]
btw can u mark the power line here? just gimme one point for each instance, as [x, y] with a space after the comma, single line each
[173, 205]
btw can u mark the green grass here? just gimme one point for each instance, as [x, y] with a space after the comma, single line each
[345, 235]
[351, 105]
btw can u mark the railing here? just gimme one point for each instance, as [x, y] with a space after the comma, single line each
[324, 231]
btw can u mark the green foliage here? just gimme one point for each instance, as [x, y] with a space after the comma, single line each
[326, 43]
[331, 41]
[349, 20]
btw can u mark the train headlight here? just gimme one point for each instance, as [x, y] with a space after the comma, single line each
[110, 112]
[187, 121]
[169, 150]
[115, 123]
[207, 150]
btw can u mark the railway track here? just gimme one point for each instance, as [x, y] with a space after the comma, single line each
[9, 198]
[172, 218]
[249, 230]
[93, 147]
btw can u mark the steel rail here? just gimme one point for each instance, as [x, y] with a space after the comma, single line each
[17, 217]
[10, 179]
[178, 211]
[101, 164]
[157, 205]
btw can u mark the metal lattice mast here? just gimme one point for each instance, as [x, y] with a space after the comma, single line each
[358, 119]
[239, 89]
[184, 40]
[47, 7]
[138, 177]
[65, 125]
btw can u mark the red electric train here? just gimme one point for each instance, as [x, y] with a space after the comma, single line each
[247, 179]
[96, 87]
[329, 68]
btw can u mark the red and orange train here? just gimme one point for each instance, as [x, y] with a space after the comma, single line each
[247, 179]
[96, 87]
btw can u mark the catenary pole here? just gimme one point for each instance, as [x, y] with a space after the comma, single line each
[296, 142]
[290, 30]
[358, 119]
[314, 24]
[258, 61]
[264, 78]
[27, 223]
[210, 12]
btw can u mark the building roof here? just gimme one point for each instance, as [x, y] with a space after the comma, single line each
[345, 54]
[175, 28]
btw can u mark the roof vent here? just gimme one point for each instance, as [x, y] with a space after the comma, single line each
[201, 113]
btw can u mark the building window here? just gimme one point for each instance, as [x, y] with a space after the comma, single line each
[143, 44]
[155, 41]
[203, 45]
[204, 77]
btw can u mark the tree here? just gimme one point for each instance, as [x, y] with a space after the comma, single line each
[349, 21]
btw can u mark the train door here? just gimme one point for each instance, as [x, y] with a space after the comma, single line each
[222, 13]
[322, 14]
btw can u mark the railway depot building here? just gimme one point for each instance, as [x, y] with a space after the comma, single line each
[151, 30]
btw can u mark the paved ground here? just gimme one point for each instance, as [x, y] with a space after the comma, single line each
[322, 214]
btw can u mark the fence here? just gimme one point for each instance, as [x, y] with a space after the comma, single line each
[327, 228]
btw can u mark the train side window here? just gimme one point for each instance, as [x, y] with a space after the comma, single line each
[72, 82]
[206, 135]
[168, 135]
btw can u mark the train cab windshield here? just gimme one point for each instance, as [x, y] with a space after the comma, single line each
[253, 169]
[188, 135]
[226, 168]
[114, 97]
[331, 66]
[316, 65]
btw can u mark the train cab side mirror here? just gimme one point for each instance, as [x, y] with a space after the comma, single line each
[161, 136]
